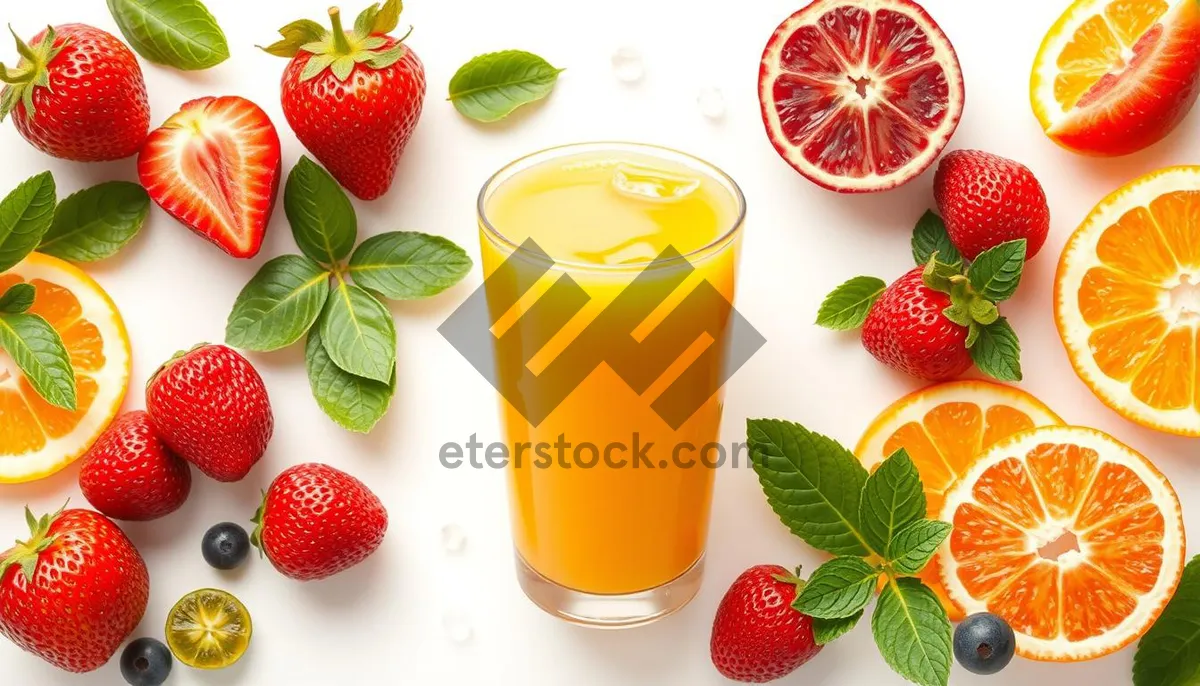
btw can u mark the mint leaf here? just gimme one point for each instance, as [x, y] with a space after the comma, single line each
[17, 299]
[997, 352]
[323, 220]
[996, 273]
[491, 86]
[278, 305]
[39, 352]
[406, 265]
[358, 333]
[25, 216]
[847, 306]
[838, 589]
[913, 546]
[912, 632]
[96, 222]
[355, 403]
[812, 483]
[930, 238]
[1169, 654]
[826, 631]
[892, 498]
[176, 33]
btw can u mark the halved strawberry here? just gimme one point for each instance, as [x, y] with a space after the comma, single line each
[215, 166]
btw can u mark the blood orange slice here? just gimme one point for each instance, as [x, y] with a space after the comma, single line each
[1073, 538]
[860, 95]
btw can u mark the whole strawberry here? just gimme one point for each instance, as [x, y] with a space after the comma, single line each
[938, 320]
[130, 474]
[74, 591]
[78, 94]
[353, 98]
[757, 636]
[316, 521]
[906, 330]
[210, 406]
[987, 200]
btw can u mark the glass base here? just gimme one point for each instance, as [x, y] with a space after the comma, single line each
[604, 611]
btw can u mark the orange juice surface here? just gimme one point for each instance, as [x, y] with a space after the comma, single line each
[607, 497]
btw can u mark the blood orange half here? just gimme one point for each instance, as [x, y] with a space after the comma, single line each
[860, 95]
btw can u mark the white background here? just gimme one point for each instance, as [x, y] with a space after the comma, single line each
[383, 621]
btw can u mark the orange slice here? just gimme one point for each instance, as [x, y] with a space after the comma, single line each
[1073, 538]
[1127, 300]
[36, 438]
[1115, 76]
[944, 428]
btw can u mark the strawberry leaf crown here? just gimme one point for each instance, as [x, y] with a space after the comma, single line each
[30, 73]
[26, 554]
[338, 50]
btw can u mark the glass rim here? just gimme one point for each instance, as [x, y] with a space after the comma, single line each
[525, 161]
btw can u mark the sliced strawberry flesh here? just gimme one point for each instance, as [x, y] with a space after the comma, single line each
[215, 166]
[860, 94]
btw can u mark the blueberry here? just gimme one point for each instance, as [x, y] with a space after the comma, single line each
[984, 643]
[226, 546]
[145, 662]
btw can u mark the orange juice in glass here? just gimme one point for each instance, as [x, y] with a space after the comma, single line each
[610, 276]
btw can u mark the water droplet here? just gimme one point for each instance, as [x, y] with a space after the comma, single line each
[711, 103]
[454, 539]
[648, 183]
[627, 65]
[457, 626]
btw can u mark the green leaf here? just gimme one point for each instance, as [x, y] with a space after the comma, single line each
[278, 305]
[17, 299]
[997, 352]
[376, 20]
[1169, 654]
[847, 306]
[838, 589]
[958, 314]
[295, 35]
[812, 483]
[973, 329]
[892, 498]
[913, 633]
[96, 222]
[983, 311]
[39, 352]
[826, 631]
[940, 276]
[355, 403]
[996, 273]
[406, 265]
[491, 86]
[358, 333]
[914, 545]
[929, 238]
[25, 216]
[322, 218]
[177, 33]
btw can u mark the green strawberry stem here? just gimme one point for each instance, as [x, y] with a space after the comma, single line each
[31, 73]
[26, 553]
[793, 579]
[341, 44]
[256, 535]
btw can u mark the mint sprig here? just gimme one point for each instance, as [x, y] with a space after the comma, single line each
[333, 293]
[974, 290]
[1169, 654]
[875, 524]
[492, 86]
